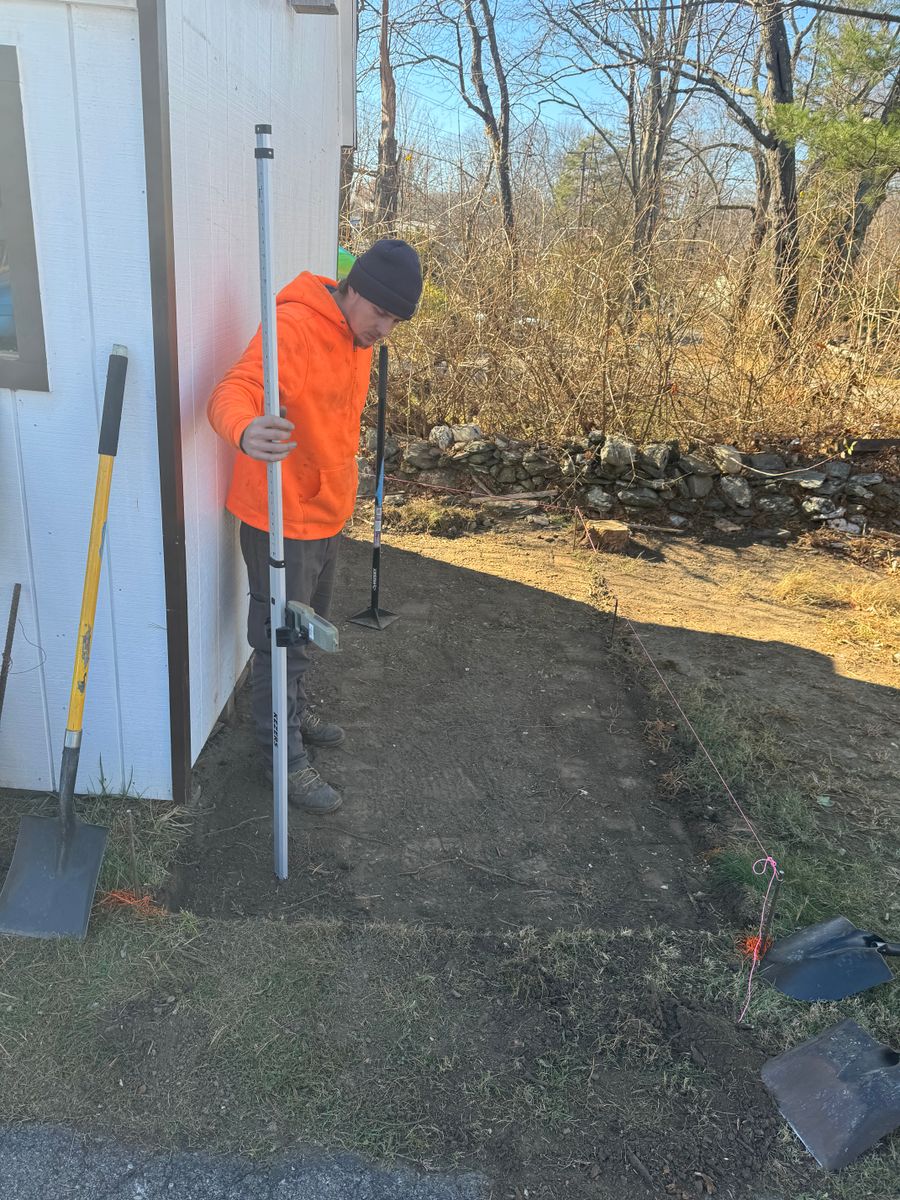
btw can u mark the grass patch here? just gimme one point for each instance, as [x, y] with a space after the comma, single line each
[836, 860]
[143, 835]
[439, 518]
[528, 1053]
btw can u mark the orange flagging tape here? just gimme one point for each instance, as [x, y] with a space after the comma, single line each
[140, 904]
[754, 947]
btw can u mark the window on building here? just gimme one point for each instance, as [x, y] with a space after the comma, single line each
[23, 362]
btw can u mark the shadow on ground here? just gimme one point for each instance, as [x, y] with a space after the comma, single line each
[494, 773]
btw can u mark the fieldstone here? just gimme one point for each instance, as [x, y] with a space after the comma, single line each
[512, 457]
[714, 504]
[441, 478]
[638, 498]
[698, 486]
[690, 464]
[728, 459]
[839, 525]
[420, 455]
[655, 457]
[676, 521]
[724, 526]
[868, 480]
[735, 490]
[820, 508]
[664, 487]
[837, 470]
[618, 455]
[687, 507]
[466, 433]
[365, 488]
[506, 475]
[392, 448]
[598, 499]
[441, 436]
[776, 506]
[810, 481]
[482, 458]
[595, 437]
[768, 464]
[855, 488]
[538, 519]
[475, 446]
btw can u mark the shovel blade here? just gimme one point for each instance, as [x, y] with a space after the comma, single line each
[828, 961]
[50, 887]
[839, 1092]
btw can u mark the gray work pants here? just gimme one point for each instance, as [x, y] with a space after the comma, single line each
[309, 578]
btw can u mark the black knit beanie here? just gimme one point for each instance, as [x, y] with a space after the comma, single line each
[389, 274]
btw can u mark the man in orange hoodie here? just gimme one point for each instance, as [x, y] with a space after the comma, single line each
[325, 337]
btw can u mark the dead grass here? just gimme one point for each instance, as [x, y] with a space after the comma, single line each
[532, 1049]
[555, 349]
[435, 517]
[865, 613]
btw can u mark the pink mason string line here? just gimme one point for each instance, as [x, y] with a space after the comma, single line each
[759, 868]
[762, 865]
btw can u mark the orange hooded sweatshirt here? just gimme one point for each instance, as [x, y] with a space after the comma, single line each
[323, 380]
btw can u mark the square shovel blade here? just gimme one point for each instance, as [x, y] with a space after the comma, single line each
[52, 878]
[839, 1092]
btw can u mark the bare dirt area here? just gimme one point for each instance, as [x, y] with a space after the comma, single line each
[494, 771]
[823, 681]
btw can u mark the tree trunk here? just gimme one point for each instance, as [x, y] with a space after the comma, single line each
[496, 128]
[844, 245]
[348, 154]
[757, 236]
[782, 165]
[387, 179]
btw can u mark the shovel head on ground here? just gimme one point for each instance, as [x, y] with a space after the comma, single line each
[827, 961]
[52, 879]
[839, 1092]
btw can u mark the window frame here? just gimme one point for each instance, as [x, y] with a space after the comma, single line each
[25, 367]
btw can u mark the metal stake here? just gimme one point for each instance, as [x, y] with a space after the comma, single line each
[277, 589]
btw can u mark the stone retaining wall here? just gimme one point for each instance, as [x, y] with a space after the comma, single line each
[612, 476]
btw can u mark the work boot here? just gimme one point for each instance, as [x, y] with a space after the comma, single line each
[309, 791]
[317, 732]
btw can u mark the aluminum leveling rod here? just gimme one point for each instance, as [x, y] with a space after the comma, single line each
[277, 590]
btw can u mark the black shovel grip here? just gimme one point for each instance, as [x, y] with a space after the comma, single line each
[112, 401]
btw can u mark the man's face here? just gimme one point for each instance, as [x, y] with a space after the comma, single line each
[368, 323]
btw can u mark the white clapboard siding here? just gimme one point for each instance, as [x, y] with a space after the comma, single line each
[233, 64]
[79, 68]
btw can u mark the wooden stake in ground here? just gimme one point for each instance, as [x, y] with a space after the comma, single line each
[610, 536]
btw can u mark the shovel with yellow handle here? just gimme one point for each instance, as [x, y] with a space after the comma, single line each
[53, 875]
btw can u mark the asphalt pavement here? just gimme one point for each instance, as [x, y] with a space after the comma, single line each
[40, 1162]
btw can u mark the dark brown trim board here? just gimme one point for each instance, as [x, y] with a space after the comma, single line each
[158, 164]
